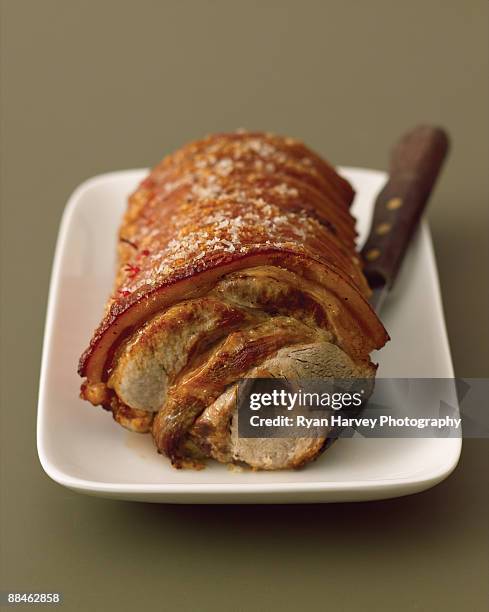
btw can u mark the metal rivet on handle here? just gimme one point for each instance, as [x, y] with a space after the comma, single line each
[383, 228]
[372, 255]
[394, 203]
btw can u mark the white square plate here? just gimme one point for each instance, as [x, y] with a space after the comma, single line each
[82, 448]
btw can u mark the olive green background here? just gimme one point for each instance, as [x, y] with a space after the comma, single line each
[94, 86]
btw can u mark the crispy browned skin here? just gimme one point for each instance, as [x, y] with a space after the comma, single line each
[225, 204]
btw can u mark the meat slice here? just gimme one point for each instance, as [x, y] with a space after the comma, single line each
[216, 431]
[152, 358]
[193, 393]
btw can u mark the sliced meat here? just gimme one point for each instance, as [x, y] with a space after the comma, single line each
[149, 362]
[174, 342]
[215, 432]
[241, 350]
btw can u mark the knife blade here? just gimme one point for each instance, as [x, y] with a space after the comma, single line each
[415, 164]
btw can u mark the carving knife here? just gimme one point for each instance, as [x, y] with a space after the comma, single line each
[415, 164]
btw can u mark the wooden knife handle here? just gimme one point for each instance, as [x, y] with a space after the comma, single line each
[415, 163]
